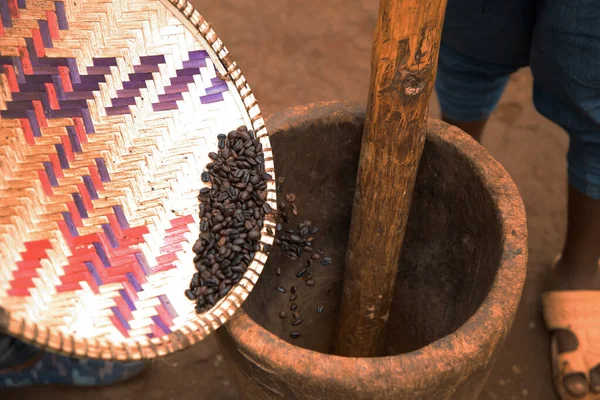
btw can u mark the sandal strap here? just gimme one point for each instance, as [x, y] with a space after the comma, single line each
[570, 309]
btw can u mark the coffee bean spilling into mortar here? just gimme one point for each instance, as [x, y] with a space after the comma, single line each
[290, 197]
[232, 214]
[296, 244]
[301, 273]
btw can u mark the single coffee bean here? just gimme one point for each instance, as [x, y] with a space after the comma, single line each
[205, 177]
[301, 273]
[281, 289]
[254, 234]
[210, 282]
[297, 322]
[319, 309]
[294, 209]
[296, 315]
[197, 246]
[284, 217]
[310, 283]
[293, 297]
[294, 307]
[293, 290]
[290, 197]
[210, 299]
[295, 335]
[295, 238]
[278, 272]
[315, 256]
[205, 275]
[282, 314]
[200, 310]
[326, 261]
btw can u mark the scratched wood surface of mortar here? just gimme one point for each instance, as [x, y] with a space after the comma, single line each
[403, 68]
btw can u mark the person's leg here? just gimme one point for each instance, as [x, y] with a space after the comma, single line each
[581, 251]
[24, 365]
[468, 89]
[565, 59]
[482, 43]
[473, 128]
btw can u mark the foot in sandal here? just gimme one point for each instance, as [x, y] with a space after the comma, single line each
[572, 311]
[572, 314]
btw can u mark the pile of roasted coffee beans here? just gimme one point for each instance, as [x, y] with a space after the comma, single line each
[296, 243]
[232, 213]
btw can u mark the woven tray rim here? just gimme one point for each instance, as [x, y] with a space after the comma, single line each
[199, 328]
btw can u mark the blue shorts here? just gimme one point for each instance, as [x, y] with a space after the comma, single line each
[484, 41]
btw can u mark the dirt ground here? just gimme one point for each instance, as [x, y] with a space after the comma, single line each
[296, 52]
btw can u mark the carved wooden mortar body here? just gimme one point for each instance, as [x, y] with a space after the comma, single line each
[458, 287]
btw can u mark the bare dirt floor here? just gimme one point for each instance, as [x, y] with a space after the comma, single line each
[297, 52]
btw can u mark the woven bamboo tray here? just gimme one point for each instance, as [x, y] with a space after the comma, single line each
[108, 109]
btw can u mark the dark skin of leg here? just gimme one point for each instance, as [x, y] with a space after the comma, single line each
[475, 128]
[578, 266]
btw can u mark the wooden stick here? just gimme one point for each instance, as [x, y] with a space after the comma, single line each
[403, 68]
